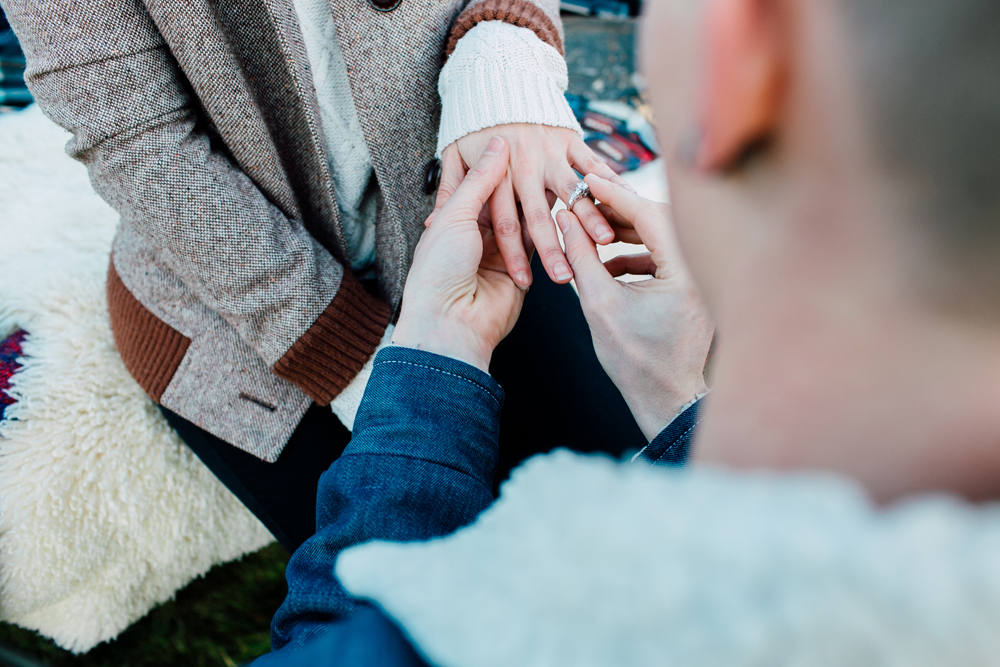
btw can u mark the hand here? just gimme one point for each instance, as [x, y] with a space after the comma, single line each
[459, 300]
[542, 160]
[653, 336]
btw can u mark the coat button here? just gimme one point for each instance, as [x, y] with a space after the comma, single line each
[384, 5]
[432, 176]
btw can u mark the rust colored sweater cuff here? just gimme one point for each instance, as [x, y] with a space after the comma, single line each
[335, 348]
[521, 13]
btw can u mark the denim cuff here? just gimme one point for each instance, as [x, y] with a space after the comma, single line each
[673, 445]
[430, 407]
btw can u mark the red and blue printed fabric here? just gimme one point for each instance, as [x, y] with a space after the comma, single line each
[10, 352]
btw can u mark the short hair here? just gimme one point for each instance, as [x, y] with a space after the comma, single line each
[930, 71]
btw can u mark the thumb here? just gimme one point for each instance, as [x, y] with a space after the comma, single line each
[592, 279]
[452, 173]
[479, 183]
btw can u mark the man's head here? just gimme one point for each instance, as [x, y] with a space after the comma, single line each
[834, 168]
[893, 101]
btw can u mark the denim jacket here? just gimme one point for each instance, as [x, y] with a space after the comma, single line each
[420, 465]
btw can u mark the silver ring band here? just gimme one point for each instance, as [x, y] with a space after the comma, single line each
[582, 192]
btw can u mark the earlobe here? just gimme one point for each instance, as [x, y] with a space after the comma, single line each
[743, 79]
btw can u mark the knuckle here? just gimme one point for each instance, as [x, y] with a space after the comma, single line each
[476, 173]
[523, 161]
[573, 255]
[506, 226]
[551, 253]
[594, 163]
[537, 216]
[588, 216]
[648, 209]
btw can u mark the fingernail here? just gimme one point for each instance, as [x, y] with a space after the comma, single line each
[604, 233]
[562, 272]
[561, 221]
[494, 147]
[521, 278]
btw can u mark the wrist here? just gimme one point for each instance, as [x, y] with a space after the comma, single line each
[448, 339]
[654, 415]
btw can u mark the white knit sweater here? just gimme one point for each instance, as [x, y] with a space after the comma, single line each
[498, 74]
[501, 74]
[349, 160]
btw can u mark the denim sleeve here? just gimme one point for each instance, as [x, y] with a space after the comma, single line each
[673, 444]
[420, 465]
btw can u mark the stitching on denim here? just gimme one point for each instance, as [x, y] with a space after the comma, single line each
[438, 370]
[639, 454]
[682, 435]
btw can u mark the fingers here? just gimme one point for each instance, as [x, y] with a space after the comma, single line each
[633, 265]
[507, 231]
[647, 218]
[591, 276]
[586, 162]
[626, 235]
[538, 220]
[565, 182]
[468, 199]
[452, 173]
[611, 215]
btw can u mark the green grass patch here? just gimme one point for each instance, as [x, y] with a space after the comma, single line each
[220, 619]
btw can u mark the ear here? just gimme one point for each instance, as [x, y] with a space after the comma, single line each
[744, 78]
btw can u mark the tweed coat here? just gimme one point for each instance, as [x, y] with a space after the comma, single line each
[199, 124]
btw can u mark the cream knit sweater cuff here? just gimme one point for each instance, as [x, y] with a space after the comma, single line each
[498, 74]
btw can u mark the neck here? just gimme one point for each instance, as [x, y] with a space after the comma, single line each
[829, 366]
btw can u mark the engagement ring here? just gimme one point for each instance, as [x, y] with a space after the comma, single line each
[582, 191]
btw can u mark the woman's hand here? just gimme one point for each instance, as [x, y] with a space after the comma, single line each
[652, 336]
[542, 160]
[459, 300]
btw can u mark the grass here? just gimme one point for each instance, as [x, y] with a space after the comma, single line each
[220, 619]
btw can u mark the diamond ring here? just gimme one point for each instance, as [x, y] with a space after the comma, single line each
[582, 191]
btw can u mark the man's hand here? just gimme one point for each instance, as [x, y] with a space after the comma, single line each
[542, 160]
[459, 300]
[652, 336]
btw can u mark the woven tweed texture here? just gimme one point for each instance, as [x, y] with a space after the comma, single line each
[199, 123]
[104, 513]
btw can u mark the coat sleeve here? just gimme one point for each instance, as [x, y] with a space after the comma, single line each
[102, 71]
[420, 464]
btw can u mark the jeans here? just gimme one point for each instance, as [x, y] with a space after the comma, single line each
[558, 395]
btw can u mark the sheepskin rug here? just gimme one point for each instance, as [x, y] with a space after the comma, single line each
[584, 561]
[104, 513]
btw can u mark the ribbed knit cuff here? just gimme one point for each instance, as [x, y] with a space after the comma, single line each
[151, 350]
[502, 74]
[327, 357]
[520, 13]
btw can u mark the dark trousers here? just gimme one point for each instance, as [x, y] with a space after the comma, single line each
[557, 395]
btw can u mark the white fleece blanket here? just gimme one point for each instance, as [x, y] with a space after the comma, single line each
[103, 512]
[587, 562]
